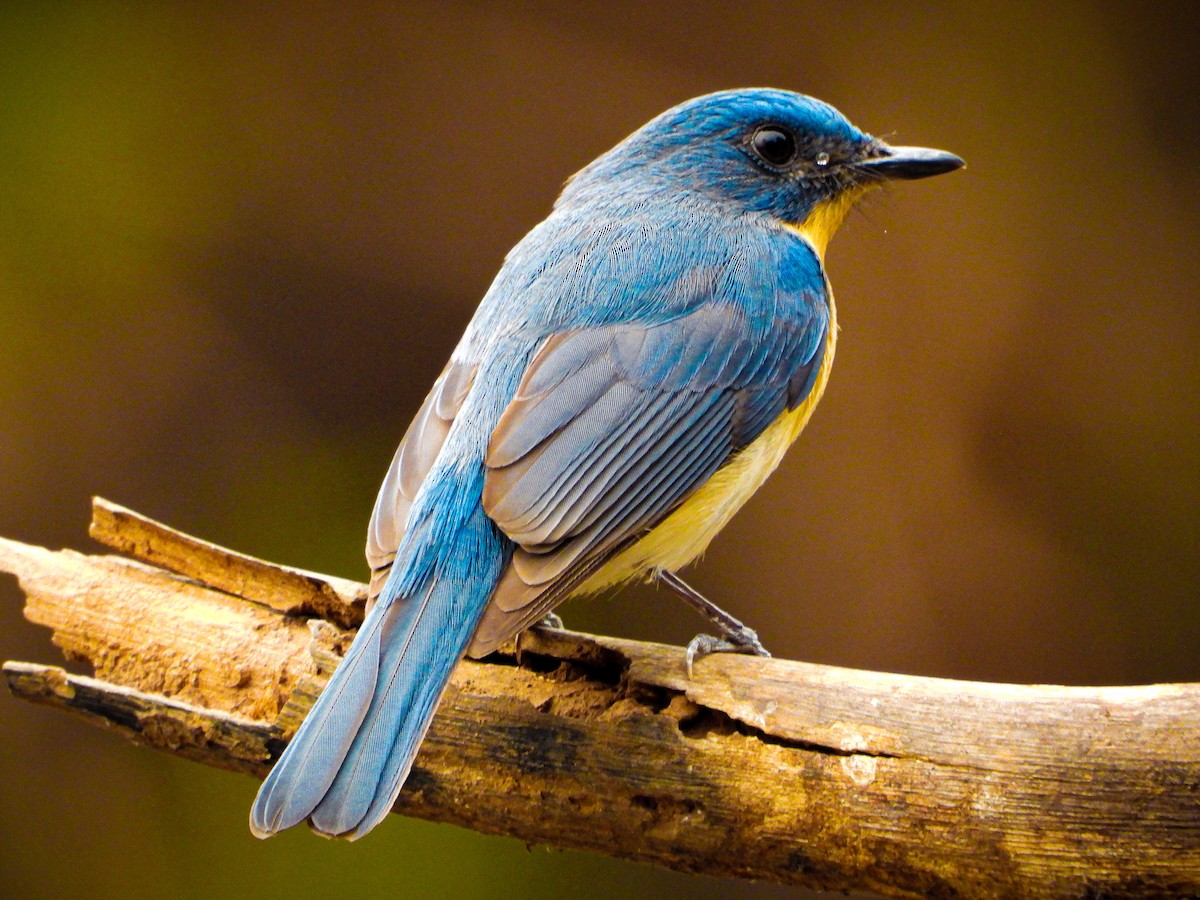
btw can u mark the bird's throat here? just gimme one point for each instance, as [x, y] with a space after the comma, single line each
[826, 217]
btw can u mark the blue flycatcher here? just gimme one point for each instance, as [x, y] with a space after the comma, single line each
[639, 366]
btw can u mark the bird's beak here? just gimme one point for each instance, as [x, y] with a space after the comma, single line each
[910, 162]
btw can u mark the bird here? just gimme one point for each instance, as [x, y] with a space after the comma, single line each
[638, 367]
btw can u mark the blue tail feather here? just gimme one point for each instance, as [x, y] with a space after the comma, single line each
[416, 666]
[348, 760]
[309, 764]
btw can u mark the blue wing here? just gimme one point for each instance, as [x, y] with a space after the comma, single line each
[613, 426]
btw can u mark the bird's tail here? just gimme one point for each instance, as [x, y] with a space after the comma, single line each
[350, 757]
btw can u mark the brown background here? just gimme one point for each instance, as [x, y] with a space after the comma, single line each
[236, 247]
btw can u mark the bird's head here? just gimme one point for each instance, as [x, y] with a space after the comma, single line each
[793, 158]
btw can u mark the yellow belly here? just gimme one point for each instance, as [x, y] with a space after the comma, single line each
[686, 533]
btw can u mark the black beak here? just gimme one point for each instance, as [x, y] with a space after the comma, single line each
[910, 162]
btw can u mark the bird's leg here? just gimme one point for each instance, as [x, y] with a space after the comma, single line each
[739, 638]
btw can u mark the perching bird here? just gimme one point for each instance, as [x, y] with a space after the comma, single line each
[636, 370]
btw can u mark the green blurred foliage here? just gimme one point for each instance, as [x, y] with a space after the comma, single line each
[237, 243]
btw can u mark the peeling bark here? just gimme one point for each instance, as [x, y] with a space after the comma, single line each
[758, 768]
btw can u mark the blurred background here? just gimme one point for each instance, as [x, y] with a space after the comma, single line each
[237, 244]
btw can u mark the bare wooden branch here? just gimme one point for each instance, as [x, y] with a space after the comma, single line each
[288, 590]
[758, 768]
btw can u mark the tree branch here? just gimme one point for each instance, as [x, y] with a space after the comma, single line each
[757, 768]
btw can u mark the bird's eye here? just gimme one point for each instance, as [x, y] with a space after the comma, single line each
[773, 145]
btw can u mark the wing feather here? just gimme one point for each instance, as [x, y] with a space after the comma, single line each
[639, 491]
[626, 445]
[614, 426]
[414, 458]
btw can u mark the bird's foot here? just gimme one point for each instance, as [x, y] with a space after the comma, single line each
[741, 640]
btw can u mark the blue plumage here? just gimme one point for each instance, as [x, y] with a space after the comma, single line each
[635, 370]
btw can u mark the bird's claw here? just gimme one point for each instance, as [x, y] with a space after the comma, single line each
[741, 640]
